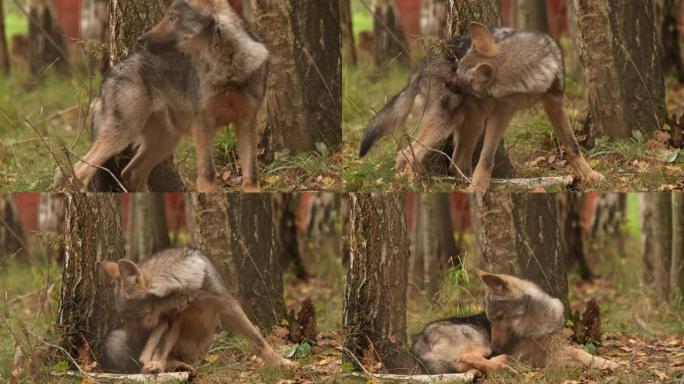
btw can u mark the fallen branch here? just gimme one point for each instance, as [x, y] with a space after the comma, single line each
[532, 183]
[136, 378]
[467, 377]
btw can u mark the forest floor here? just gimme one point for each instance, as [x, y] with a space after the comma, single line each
[643, 162]
[639, 331]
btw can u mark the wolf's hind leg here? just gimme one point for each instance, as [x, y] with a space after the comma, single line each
[466, 135]
[150, 154]
[175, 365]
[203, 136]
[432, 131]
[554, 108]
[153, 342]
[161, 354]
[103, 149]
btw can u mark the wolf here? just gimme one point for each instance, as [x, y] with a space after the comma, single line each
[202, 68]
[172, 305]
[459, 102]
[521, 322]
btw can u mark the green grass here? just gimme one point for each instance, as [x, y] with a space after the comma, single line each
[15, 20]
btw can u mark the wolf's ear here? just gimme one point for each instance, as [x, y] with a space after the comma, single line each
[494, 284]
[129, 271]
[111, 269]
[483, 40]
[483, 73]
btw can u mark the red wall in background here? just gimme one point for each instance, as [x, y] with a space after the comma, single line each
[409, 16]
[68, 14]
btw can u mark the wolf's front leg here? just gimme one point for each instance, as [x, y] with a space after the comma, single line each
[494, 133]
[247, 150]
[153, 342]
[203, 135]
[578, 357]
[158, 362]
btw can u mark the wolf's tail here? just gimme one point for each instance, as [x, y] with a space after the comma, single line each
[392, 116]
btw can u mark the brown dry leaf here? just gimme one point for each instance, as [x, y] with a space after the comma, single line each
[678, 363]
[661, 375]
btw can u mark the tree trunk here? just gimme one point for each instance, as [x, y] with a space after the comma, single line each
[389, 40]
[518, 234]
[574, 67]
[622, 66]
[12, 237]
[433, 18]
[284, 208]
[374, 314]
[667, 33]
[304, 93]
[46, 43]
[530, 14]
[94, 26]
[487, 12]
[51, 216]
[4, 48]
[347, 30]
[569, 214]
[322, 227]
[677, 270]
[86, 299]
[656, 240]
[254, 246]
[147, 230]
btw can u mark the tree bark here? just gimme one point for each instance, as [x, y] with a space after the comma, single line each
[374, 314]
[147, 230]
[128, 19]
[487, 12]
[667, 33]
[677, 270]
[304, 93]
[518, 234]
[4, 48]
[51, 216]
[86, 299]
[12, 237]
[94, 27]
[347, 30]
[433, 15]
[254, 246]
[46, 43]
[530, 14]
[574, 67]
[656, 240]
[284, 207]
[389, 40]
[622, 66]
[572, 240]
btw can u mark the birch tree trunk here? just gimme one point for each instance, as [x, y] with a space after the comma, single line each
[374, 315]
[147, 230]
[656, 240]
[12, 237]
[51, 222]
[4, 48]
[433, 15]
[46, 43]
[389, 40]
[347, 30]
[86, 299]
[622, 66]
[304, 93]
[530, 14]
[128, 19]
[94, 27]
[519, 234]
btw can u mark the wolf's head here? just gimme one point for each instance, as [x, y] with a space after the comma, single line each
[130, 290]
[187, 25]
[477, 69]
[518, 309]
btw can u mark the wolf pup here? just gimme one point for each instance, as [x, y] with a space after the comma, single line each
[522, 323]
[202, 70]
[172, 305]
[518, 69]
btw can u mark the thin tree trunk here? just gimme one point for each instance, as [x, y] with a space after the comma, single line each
[569, 214]
[322, 223]
[4, 48]
[254, 247]
[666, 21]
[374, 314]
[677, 270]
[304, 92]
[147, 230]
[530, 14]
[389, 41]
[46, 43]
[574, 67]
[656, 240]
[128, 19]
[622, 66]
[433, 16]
[51, 215]
[86, 299]
[94, 27]
[518, 234]
[284, 206]
[347, 30]
[12, 237]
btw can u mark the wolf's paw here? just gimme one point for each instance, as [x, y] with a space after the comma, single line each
[592, 177]
[251, 188]
[153, 367]
[274, 359]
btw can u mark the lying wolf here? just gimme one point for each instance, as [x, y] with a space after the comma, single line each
[202, 69]
[172, 305]
[521, 322]
[475, 86]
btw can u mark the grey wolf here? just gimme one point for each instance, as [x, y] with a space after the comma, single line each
[521, 322]
[172, 305]
[467, 92]
[202, 69]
